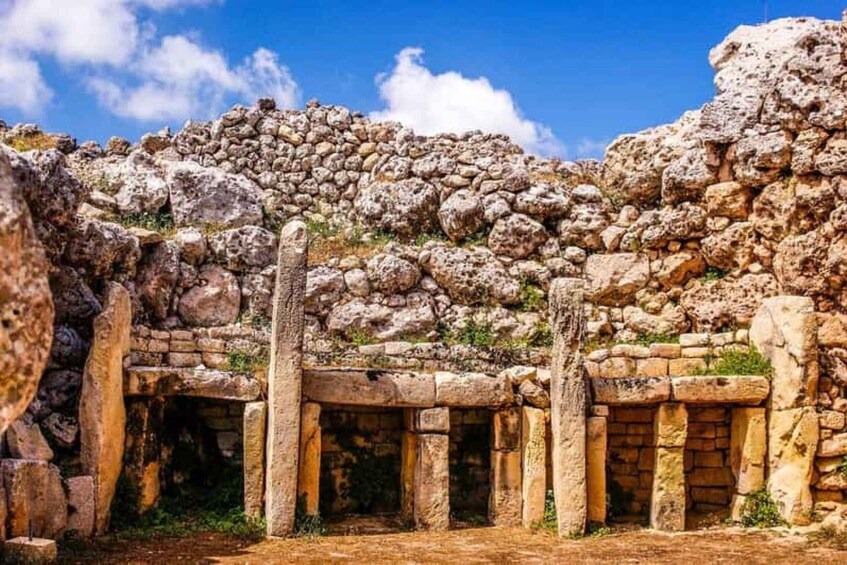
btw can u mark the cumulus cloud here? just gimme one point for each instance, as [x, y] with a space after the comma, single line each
[131, 70]
[450, 102]
[591, 148]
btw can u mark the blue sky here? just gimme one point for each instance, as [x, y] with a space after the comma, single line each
[580, 73]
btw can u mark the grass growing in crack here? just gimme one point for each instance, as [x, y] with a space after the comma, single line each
[472, 333]
[733, 362]
[160, 222]
[713, 274]
[35, 141]
[649, 339]
[829, 536]
[246, 362]
[842, 466]
[327, 241]
[549, 522]
[542, 335]
[306, 525]
[760, 511]
[532, 298]
[359, 338]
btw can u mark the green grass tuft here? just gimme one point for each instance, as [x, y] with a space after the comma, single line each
[733, 362]
[533, 298]
[161, 222]
[245, 362]
[473, 333]
[760, 511]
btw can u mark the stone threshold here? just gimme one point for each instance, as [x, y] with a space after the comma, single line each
[708, 389]
[204, 383]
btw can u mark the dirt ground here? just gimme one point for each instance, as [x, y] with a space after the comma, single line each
[472, 545]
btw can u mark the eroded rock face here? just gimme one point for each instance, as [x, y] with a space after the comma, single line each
[406, 207]
[215, 302]
[26, 304]
[206, 196]
[136, 184]
[516, 236]
[713, 305]
[471, 276]
[461, 214]
[614, 279]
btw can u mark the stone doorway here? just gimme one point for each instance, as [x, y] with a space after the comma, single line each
[709, 482]
[470, 465]
[629, 461]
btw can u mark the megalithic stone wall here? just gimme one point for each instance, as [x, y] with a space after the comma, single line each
[285, 381]
[568, 397]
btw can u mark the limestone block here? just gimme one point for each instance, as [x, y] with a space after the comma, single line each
[596, 469]
[432, 420]
[285, 381]
[534, 464]
[740, 389]
[635, 390]
[667, 502]
[652, 367]
[205, 383]
[836, 446]
[34, 495]
[472, 390]
[363, 387]
[685, 366]
[568, 396]
[432, 482]
[617, 367]
[102, 416]
[784, 330]
[30, 551]
[81, 505]
[666, 350]
[254, 432]
[792, 442]
[142, 453]
[670, 425]
[25, 441]
[506, 429]
[505, 505]
[408, 458]
[747, 448]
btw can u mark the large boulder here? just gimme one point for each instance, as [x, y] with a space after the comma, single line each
[158, 273]
[248, 248]
[390, 274]
[136, 184]
[614, 279]
[516, 236]
[461, 214]
[727, 302]
[210, 197]
[471, 276]
[405, 207]
[358, 317]
[324, 286]
[26, 304]
[215, 302]
[103, 250]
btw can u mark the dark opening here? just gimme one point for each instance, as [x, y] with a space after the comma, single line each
[629, 461]
[470, 464]
[709, 482]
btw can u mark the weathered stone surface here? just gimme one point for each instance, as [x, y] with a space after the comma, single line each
[26, 304]
[432, 482]
[506, 429]
[432, 420]
[248, 248]
[461, 215]
[471, 276]
[728, 199]
[667, 502]
[102, 415]
[504, 503]
[516, 236]
[210, 197]
[405, 207]
[215, 302]
[792, 442]
[285, 381]
[32, 551]
[308, 478]
[785, 332]
[369, 387]
[534, 395]
[34, 498]
[633, 390]
[142, 454]
[25, 441]
[382, 322]
[569, 400]
[741, 389]
[254, 426]
[136, 184]
[390, 274]
[836, 446]
[103, 250]
[614, 279]
[408, 464]
[204, 383]
[533, 464]
[596, 468]
[81, 505]
[747, 448]
[670, 425]
[158, 273]
[472, 390]
[727, 302]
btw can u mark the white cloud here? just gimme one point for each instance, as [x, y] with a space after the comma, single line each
[591, 148]
[132, 72]
[450, 102]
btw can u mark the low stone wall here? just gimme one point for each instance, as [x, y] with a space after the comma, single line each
[709, 483]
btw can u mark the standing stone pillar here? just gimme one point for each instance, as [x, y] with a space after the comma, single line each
[285, 381]
[505, 506]
[408, 456]
[784, 330]
[596, 461]
[568, 399]
[310, 458]
[254, 426]
[534, 464]
[747, 450]
[432, 469]
[102, 416]
[142, 461]
[667, 503]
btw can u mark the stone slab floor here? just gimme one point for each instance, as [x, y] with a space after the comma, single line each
[474, 545]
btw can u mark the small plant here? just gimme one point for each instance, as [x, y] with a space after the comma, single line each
[359, 337]
[478, 335]
[830, 536]
[35, 141]
[427, 237]
[532, 297]
[542, 335]
[256, 320]
[713, 274]
[476, 240]
[306, 525]
[734, 362]
[160, 222]
[245, 362]
[594, 530]
[650, 339]
[549, 522]
[760, 511]
[842, 466]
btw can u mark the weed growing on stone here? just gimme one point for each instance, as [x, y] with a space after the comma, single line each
[829, 536]
[594, 530]
[732, 362]
[245, 362]
[358, 338]
[36, 141]
[713, 274]
[473, 333]
[160, 222]
[842, 466]
[649, 339]
[542, 335]
[549, 523]
[255, 320]
[305, 525]
[426, 237]
[760, 511]
[476, 240]
[533, 298]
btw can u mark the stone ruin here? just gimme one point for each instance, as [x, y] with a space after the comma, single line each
[297, 292]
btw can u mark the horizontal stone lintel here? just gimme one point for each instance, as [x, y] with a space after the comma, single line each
[369, 387]
[708, 389]
[202, 383]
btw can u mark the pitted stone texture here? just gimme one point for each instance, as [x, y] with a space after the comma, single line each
[216, 302]
[517, 236]
[534, 464]
[472, 390]
[248, 248]
[792, 442]
[727, 302]
[614, 279]
[405, 207]
[637, 390]
[35, 498]
[432, 482]
[748, 447]
[461, 214]
[136, 183]
[471, 276]
[741, 389]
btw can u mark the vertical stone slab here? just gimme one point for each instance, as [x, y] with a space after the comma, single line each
[142, 461]
[792, 443]
[596, 475]
[408, 458]
[534, 464]
[667, 502]
[747, 450]
[81, 505]
[310, 458]
[34, 496]
[102, 417]
[505, 507]
[432, 482]
[253, 427]
[285, 381]
[568, 405]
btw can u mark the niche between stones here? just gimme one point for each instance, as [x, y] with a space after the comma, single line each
[360, 461]
[470, 464]
[709, 482]
[629, 462]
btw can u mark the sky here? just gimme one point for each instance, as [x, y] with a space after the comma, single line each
[563, 78]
